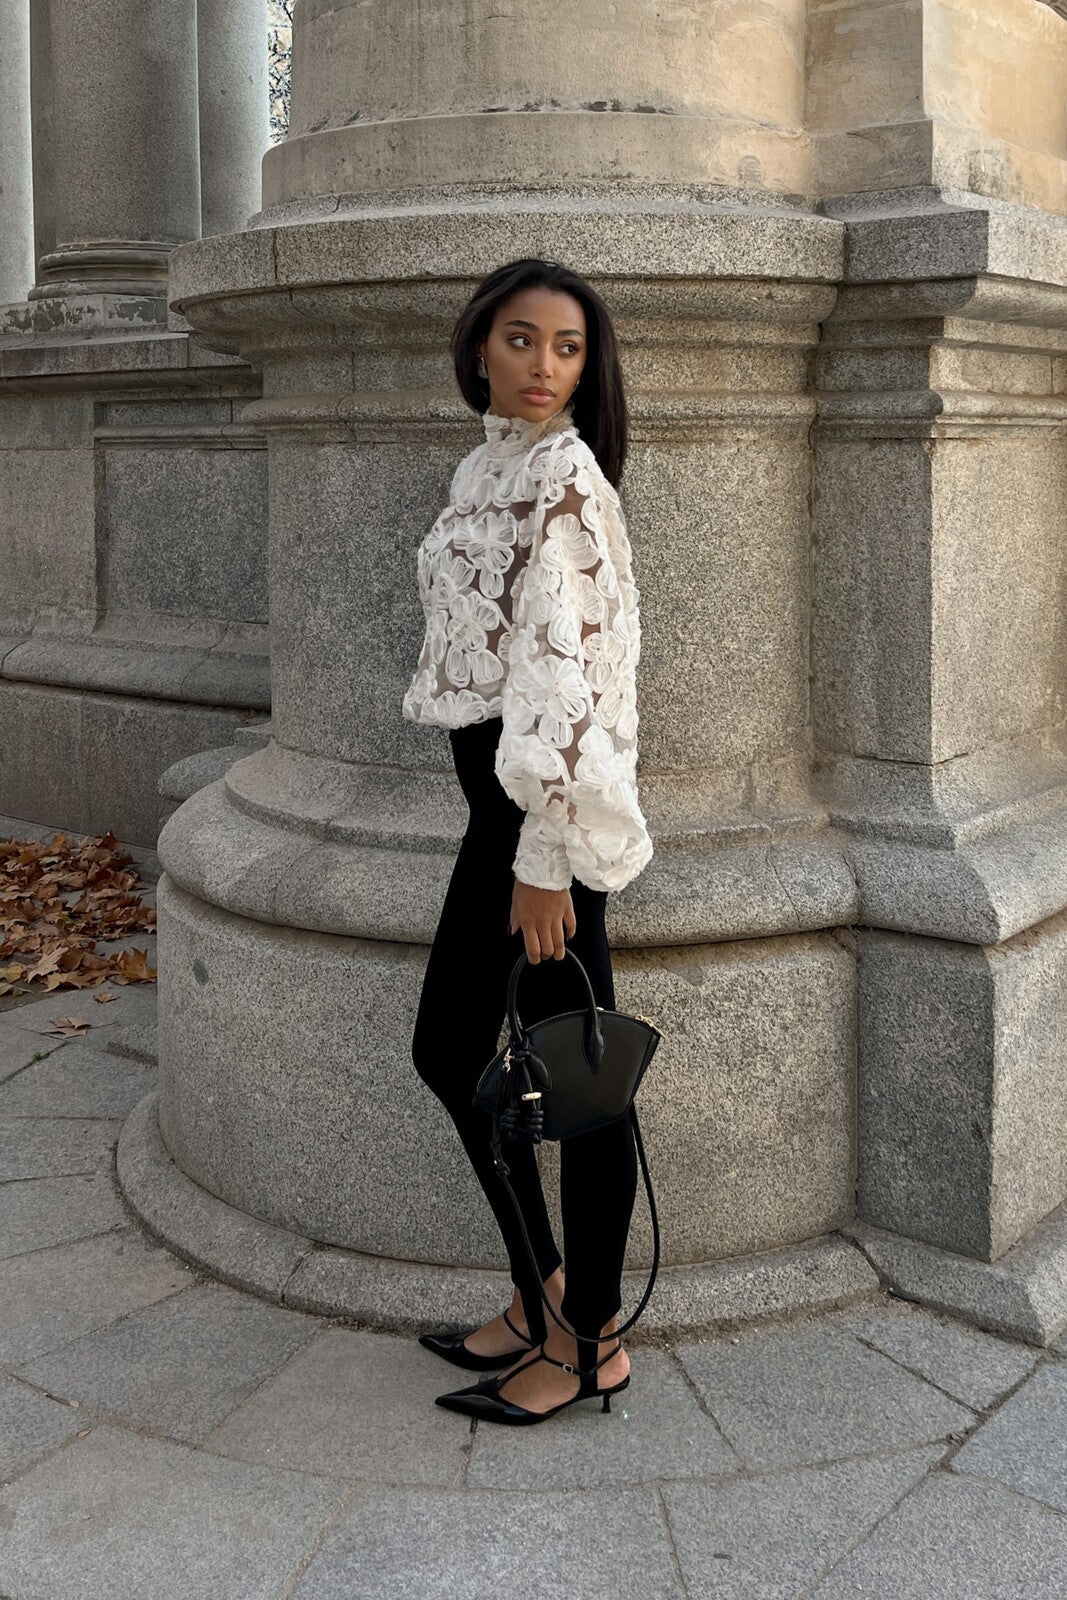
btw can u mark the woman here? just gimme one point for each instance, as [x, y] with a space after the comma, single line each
[532, 640]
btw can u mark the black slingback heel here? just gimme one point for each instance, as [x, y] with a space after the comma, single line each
[484, 1400]
[451, 1346]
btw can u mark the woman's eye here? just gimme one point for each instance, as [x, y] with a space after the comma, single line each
[572, 349]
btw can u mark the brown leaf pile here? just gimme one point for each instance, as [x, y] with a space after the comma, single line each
[56, 940]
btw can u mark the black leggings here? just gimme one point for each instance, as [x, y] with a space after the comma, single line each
[461, 1010]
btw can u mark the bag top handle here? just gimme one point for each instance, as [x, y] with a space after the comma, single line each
[594, 1040]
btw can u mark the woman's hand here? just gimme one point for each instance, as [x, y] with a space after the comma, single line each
[545, 917]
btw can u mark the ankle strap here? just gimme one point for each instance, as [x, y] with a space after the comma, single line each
[568, 1367]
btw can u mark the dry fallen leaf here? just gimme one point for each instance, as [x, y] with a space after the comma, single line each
[57, 899]
[68, 1025]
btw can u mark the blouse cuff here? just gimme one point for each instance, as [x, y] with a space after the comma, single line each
[541, 859]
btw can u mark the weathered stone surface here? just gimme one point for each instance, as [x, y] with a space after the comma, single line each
[16, 194]
[137, 1042]
[951, 229]
[240, 1249]
[206, 564]
[18, 1048]
[392, 1543]
[972, 1366]
[133, 1002]
[129, 663]
[1023, 1294]
[48, 1211]
[156, 1520]
[982, 1031]
[957, 1540]
[823, 1271]
[802, 1396]
[177, 1367]
[1023, 1445]
[55, 1147]
[58, 1293]
[77, 1081]
[353, 1405]
[126, 741]
[233, 92]
[31, 1424]
[772, 1537]
[49, 493]
[382, 868]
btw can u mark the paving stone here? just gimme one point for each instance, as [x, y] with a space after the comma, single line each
[354, 1405]
[770, 1538]
[956, 1540]
[116, 1517]
[55, 1147]
[18, 1048]
[975, 1367]
[656, 1429]
[52, 1296]
[30, 1426]
[77, 1081]
[178, 1367]
[811, 1393]
[133, 1003]
[138, 1041]
[46, 1211]
[396, 1544]
[1024, 1444]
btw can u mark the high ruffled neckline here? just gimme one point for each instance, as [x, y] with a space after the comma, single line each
[521, 430]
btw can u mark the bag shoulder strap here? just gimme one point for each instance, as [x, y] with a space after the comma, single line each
[503, 1169]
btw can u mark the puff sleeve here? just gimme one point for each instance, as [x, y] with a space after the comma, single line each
[568, 746]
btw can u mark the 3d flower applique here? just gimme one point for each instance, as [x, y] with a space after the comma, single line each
[532, 616]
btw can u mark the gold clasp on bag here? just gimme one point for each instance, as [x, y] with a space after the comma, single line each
[640, 1017]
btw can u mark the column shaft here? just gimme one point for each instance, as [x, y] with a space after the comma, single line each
[234, 110]
[126, 175]
[16, 184]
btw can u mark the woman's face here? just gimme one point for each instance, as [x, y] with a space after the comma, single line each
[534, 353]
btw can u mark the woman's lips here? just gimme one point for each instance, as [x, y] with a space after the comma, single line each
[537, 394]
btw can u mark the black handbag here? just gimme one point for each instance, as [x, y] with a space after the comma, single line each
[562, 1076]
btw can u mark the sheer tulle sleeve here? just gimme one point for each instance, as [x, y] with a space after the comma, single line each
[568, 746]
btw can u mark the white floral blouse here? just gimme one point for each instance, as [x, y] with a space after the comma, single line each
[532, 616]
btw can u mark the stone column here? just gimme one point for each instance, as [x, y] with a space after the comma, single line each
[234, 110]
[41, 113]
[125, 163]
[314, 871]
[16, 181]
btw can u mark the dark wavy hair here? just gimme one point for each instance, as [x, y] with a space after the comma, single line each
[599, 402]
